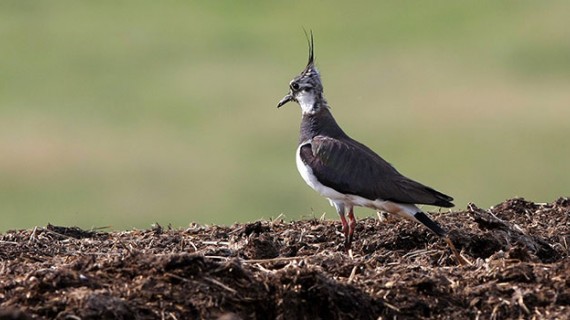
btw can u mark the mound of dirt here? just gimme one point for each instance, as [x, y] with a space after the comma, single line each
[297, 270]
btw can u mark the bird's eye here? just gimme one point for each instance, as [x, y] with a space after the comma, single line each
[294, 86]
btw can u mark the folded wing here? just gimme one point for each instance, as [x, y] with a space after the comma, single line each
[350, 167]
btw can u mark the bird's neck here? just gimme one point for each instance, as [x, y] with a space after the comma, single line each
[321, 122]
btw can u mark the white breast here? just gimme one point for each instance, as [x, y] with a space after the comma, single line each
[309, 177]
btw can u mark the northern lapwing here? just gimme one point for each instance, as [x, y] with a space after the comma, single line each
[347, 172]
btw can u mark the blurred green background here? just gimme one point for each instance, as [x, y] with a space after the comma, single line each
[123, 114]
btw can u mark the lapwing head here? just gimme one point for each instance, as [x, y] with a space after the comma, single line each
[306, 89]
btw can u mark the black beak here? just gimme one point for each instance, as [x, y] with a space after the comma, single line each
[285, 99]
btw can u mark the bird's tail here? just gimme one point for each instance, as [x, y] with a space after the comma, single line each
[430, 224]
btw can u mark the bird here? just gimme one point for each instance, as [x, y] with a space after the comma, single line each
[348, 173]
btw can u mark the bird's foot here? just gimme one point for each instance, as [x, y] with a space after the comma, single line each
[347, 243]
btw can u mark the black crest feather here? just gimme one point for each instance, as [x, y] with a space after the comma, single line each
[311, 43]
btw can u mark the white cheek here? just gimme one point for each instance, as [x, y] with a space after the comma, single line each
[306, 101]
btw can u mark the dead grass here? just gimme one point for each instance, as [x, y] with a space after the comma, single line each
[274, 269]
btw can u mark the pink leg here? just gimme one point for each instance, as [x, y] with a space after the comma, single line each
[345, 227]
[346, 231]
[351, 225]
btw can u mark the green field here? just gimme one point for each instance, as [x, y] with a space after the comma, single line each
[125, 114]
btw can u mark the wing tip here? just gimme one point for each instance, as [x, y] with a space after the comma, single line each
[442, 200]
[444, 203]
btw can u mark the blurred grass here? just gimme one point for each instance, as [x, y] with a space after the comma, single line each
[125, 114]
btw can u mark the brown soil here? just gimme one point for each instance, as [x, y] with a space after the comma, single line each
[296, 270]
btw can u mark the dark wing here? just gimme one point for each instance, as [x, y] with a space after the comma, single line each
[350, 167]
